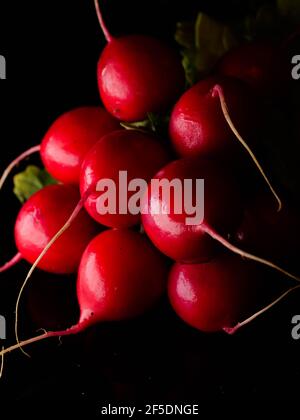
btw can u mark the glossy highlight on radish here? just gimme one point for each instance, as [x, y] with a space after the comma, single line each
[70, 137]
[137, 74]
[197, 124]
[119, 285]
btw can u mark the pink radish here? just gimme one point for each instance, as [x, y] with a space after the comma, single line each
[222, 213]
[216, 295]
[38, 221]
[137, 74]
[140, 154]
[121, 275]
[67, 141]
[207, 117]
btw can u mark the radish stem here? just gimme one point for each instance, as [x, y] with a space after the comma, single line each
[219, 238]
[2, 363]
[69, 331]
[218, 89]
[66, 226]
[16, 161]
[232, 330]
[103, 26]
[15, 260]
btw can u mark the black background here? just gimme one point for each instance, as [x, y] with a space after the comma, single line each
[51, 48]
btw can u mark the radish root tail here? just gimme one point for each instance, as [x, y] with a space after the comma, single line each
[2, 363]
[232, 330]
[65, 227]
[219, 238]
[218, 89]
[75, 329]
[103, 26]
[15, 260]
[16, 161]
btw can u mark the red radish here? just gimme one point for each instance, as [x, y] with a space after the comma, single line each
[38, 221]
[214, 295]
[137, 74]
[140, 154]
[218, 294]
[67, 141]
[207, 117]
[269, 233]
[121, 275]
[222, 212]
[70, 137]
[261, 64]
[232, 330]
[197, 124]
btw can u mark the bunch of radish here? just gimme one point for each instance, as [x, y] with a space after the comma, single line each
[125, 262]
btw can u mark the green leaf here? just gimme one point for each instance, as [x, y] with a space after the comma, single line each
[158, 122]
[138, 125]
[30, 181]
[213, 36]
[289, 9]
[154, 123]
[189, 62]
[185, 34]
[265, 22]
[204, 43]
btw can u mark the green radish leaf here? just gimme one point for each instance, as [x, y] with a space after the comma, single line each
[264, 23]
[30, 181]
[204, 43]
[206, 40]
[158, 122]
[154, 123]
[189, 59]
[138, 125]
[213, 39]
[289, 9]
[185, 34]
